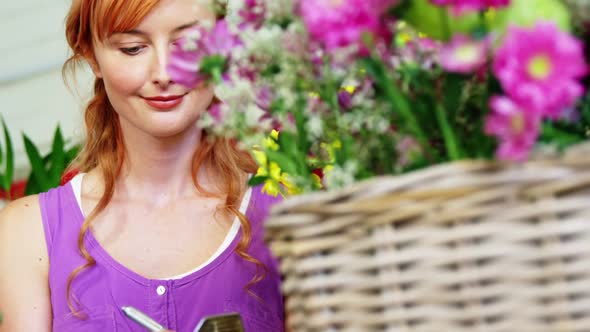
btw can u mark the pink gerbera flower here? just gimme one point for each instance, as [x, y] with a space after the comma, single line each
[515, 127]
[463, 54]
[541, 67]
[461, 6]
[339, 23]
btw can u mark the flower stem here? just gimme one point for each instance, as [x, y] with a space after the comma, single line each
[216, 73]
[403, 107]
[451, 143]
[444, 19]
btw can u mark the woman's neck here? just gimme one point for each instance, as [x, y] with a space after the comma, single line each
[158, 170]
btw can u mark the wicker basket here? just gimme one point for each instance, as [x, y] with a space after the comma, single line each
[467, 246]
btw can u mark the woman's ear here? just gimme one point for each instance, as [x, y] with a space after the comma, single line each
[94, 66]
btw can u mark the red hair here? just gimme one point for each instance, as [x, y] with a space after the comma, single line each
[95, 20]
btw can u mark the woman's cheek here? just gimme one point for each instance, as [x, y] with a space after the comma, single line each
[127, 76]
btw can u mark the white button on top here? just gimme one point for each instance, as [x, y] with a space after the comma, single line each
[161, 290]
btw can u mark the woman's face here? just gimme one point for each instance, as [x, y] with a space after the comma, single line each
[132, 65]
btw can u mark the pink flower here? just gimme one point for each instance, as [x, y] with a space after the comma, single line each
[382, 6]
[216, 113]
[339, 23]
[540, 67]
[516, 128]
[264, 97]
[199, 43]
[253, 13]
[462, 6]
[463, 54]
[221, 41]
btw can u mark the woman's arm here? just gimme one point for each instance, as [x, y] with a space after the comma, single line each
[24, 265]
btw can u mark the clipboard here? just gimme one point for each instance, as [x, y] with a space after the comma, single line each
[227, 322]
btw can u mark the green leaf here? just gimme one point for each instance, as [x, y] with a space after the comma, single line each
[288, 144]
[453, 88]
[396, 98]
[58, 156]
[451, 142]
[256, 180]
[286, 164]
[72, 153]
[37, 164]
[213, 65]
[551, 134]
[9, 170]
[1, 151]
[32, 187]
[300, 122]
[1, 160]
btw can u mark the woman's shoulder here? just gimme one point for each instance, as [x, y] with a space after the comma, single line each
[19, 212]
[27, 218]
[21, 227]
[24, 264]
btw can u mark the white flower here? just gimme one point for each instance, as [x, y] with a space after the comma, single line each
[192, 37]
[263, 41]
[382, 125]
[338, 177]
[279, 8]
[315, 126]
[236, 92]
[287, 95]
[206, 121]
[233, 17]
[253, 114]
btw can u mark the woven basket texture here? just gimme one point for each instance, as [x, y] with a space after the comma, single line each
[464, 246]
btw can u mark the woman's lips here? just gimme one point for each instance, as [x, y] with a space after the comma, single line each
[164, 102]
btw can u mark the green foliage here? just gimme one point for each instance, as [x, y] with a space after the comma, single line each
[213, 66]
[6, 160]
[47, 171]
[565, 133]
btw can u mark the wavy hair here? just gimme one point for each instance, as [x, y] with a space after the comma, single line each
[96, 20]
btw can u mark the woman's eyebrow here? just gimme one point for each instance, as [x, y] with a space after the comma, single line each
[142, 33]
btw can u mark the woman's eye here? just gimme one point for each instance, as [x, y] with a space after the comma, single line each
[132, 50]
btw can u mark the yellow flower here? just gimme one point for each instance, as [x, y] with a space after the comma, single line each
[275, 176]
[292, 189]
[330, 148]
[260, 158]
[328, 169]
[275, 179]
[316, 181]
[270, 141]
[349, 88]
[272, 184]
[313, 94]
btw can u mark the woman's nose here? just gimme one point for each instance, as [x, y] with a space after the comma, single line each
[160, 75]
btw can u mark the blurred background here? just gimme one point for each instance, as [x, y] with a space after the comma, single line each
[35, 99]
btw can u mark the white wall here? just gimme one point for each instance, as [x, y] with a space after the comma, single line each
[33, 96]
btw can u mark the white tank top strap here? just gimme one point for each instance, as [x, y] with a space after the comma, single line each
[76, 183]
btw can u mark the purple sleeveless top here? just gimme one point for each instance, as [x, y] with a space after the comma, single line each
[177, 304]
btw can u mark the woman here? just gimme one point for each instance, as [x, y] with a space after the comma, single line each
[160, 218]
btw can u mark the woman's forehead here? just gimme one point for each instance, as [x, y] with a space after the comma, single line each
[174, 15]
[116, 16]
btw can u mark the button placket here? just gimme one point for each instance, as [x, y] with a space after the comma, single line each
[161, 290]
[171, 312]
